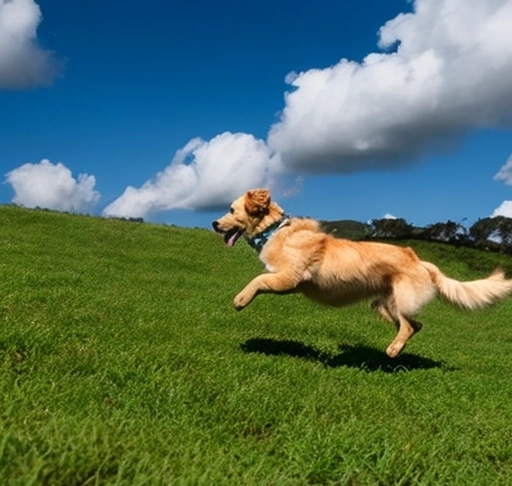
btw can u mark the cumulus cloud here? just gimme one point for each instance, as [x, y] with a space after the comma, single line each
[52, 186]
[440, 71]
[202, 175]
[505, 173]
[449, 70]
[23, 63]
[505, 209]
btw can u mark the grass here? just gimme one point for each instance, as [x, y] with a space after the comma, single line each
[122, 362]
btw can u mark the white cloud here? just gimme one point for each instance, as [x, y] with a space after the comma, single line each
[445, 69]
[505, 173]
[202, 175]
[52, 186]
[389, 216]
[450, 72]
[505, 209]
[23, 63]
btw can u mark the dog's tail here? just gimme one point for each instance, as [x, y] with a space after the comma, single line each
[470, 295]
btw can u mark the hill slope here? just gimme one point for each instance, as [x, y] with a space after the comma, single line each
[123, 362]
[346, 228]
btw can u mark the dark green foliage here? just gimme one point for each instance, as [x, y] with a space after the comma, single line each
[450, 232]
[493, 234]
[391, 228]
[352, 230]
[498, 228]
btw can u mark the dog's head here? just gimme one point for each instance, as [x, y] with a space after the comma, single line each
[248, 215]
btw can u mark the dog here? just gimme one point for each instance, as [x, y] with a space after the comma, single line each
[300, 257]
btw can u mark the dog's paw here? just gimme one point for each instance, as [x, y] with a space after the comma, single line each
[240, 301]
[394, 349]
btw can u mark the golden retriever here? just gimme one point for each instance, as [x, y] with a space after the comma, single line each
[300, 257]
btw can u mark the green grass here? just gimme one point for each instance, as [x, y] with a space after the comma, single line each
[122, 362]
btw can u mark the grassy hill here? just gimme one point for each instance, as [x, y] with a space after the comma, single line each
[346, 228]
[122, 362]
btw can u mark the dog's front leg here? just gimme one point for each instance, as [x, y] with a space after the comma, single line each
[267, 282]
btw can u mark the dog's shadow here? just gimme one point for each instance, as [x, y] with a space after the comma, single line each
[351, 356]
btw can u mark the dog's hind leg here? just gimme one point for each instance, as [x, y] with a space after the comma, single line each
[405, 302]
[387, 309]
[379, 305]
[406, 329]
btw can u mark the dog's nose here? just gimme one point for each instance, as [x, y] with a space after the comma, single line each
[215, 225]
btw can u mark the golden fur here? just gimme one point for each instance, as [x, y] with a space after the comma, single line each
[300, 257]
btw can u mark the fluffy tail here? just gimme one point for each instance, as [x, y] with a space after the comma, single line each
[470, 295]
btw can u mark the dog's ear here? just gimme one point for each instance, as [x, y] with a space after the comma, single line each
[257, 202]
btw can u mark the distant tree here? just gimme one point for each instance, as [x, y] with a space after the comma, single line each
[504, 230]
[352, 230]
[481, 230]
[390, 228]
[450, 232]
[497, 230]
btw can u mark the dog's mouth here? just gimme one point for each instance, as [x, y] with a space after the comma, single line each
[230, 236]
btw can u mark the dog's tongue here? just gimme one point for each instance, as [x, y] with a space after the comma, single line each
[231, 239]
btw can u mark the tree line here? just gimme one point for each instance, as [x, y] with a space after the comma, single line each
[486, 233]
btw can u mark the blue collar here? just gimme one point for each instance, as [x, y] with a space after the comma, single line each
[258, 241]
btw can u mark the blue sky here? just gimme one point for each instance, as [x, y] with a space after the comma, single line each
[168, 110]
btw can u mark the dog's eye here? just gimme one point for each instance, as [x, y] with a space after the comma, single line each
[231, 210]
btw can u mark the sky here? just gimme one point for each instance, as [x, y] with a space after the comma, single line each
[168, 110]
